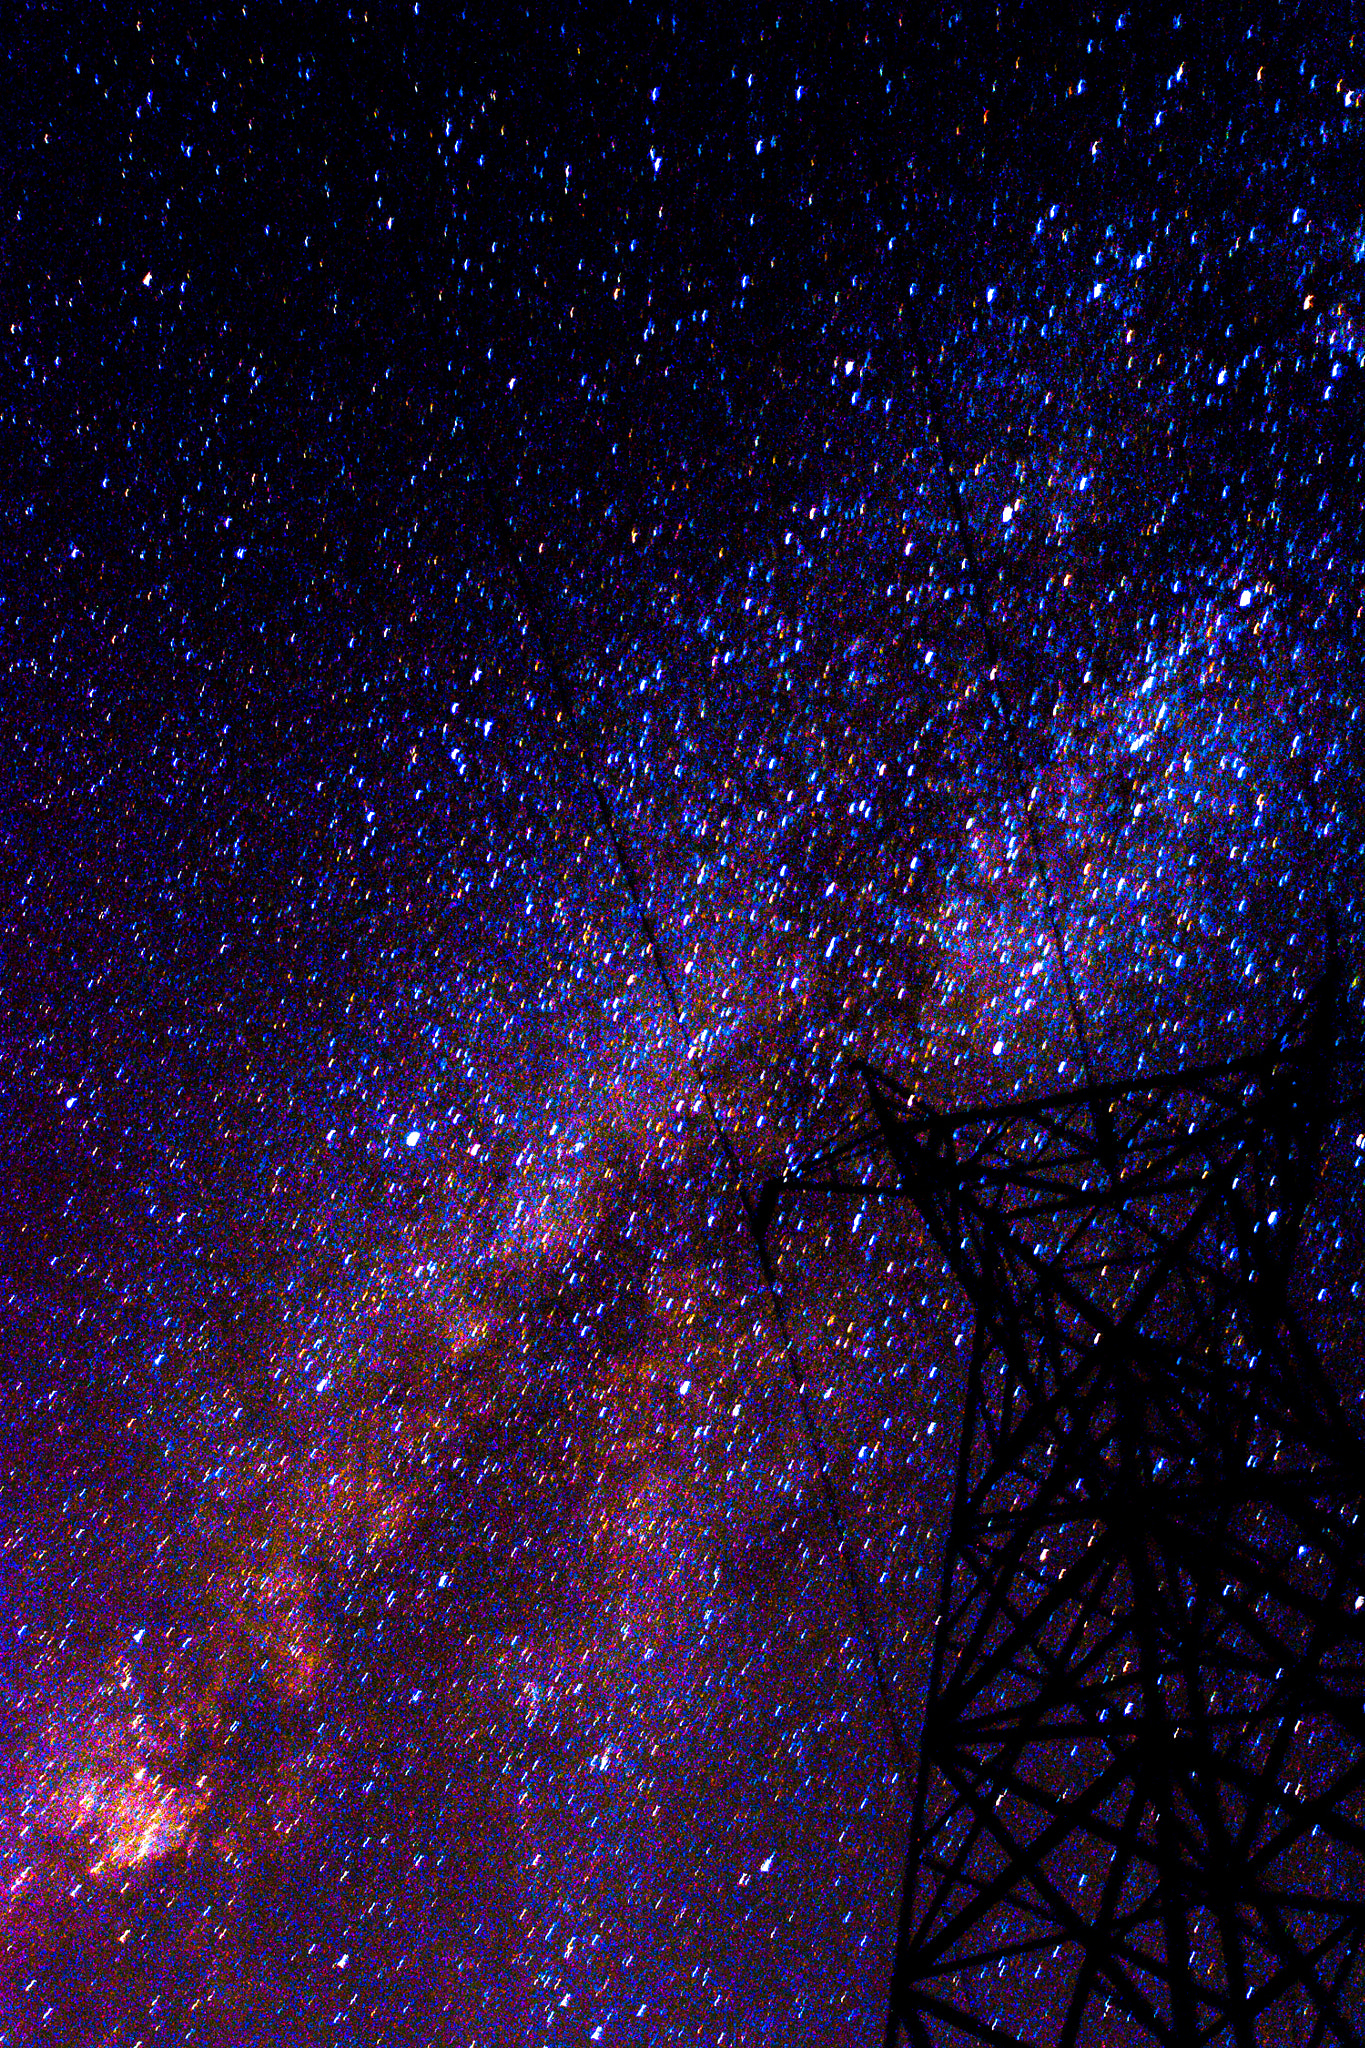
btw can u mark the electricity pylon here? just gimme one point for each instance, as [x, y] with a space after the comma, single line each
[1139, 1814]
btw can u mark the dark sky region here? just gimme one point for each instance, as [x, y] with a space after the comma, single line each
[909, 472]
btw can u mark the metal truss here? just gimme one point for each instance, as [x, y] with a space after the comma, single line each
[1140, 1806]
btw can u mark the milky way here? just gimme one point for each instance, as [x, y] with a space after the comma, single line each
[859, 518]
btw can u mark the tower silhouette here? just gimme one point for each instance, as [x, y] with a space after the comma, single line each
[1139, 1813]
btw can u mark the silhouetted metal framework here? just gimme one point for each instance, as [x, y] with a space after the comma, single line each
[1140, 1806]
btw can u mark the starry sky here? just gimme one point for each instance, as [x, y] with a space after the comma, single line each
[565, 575]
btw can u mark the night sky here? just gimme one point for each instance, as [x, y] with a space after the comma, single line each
[851, 512]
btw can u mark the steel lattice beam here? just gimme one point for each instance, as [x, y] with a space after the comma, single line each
[1140, 1807]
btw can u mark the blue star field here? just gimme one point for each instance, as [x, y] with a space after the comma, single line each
[907, 479]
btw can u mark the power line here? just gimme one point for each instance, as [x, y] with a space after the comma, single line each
[615, 834]
[616, 837]
[1023, 794]
[850, 58]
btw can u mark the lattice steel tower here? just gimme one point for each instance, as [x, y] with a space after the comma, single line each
[1140, 1806]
